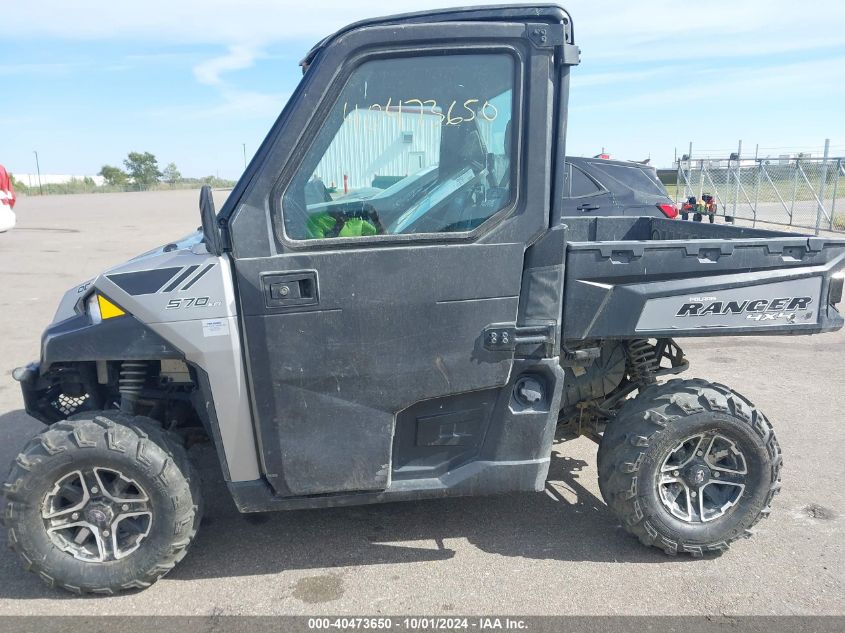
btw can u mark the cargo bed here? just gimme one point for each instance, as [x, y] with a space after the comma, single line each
[653, 277]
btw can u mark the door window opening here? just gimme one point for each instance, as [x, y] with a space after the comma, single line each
[412, 145]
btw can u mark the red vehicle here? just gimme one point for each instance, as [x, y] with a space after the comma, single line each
[7, 201]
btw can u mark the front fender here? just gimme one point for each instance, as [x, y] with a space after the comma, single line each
[121, 338]
[65, 379]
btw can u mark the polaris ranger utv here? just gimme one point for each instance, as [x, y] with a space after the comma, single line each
[391, 305]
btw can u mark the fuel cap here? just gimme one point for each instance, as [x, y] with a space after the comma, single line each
[529, 391]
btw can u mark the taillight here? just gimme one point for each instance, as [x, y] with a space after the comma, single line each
[836, 284]
[668, 210]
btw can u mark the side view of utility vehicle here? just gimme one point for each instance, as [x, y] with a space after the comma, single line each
[391, 305]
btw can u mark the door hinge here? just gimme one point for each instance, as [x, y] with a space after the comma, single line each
[552, 35]
[545, 35]
[500, 337]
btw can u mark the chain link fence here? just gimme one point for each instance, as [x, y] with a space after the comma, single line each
[796, 192]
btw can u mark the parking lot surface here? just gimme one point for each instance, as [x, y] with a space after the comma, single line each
[558, 552]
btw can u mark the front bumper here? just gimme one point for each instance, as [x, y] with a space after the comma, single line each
[36, 391]
[58, 393]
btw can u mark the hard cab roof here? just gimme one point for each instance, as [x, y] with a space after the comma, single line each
[542, 12]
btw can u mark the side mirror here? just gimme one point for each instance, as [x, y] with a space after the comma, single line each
[210, 228]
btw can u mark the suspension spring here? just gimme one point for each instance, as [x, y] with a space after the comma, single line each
[642, 361]
[133, 375]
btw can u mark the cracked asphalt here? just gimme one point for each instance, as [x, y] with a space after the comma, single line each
[558, 552]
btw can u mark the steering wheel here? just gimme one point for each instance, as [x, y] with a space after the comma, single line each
[343, 213]
[442, 192]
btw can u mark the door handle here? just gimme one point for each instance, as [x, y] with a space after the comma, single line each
[589, 207]
[293, 289]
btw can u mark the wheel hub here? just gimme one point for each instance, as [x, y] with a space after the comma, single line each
[702, 478]
[97, 514]
[697, 474]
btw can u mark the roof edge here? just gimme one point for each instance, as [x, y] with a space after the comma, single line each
[543, 12]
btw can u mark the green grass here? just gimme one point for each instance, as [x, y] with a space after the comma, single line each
[87, 185]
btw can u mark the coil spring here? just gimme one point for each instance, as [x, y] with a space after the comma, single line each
[133, 375]
[642, 361]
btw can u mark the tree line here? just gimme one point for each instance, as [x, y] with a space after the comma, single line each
[140, 172]
[141, 169]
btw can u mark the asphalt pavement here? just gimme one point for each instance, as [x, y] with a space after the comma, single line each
[557, 552]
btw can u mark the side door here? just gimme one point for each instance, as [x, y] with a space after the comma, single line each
[584, 195]
[358, 301]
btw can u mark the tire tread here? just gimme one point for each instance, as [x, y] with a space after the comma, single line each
[111, 430]
[638, 424]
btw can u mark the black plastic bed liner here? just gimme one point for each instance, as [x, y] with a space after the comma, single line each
[652, 277]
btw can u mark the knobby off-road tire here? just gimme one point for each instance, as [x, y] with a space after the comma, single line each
[636, 456]
[148, 487]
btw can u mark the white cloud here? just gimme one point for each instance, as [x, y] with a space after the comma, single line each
[580, 80]
[234, 102]
[260, 105]
[35, 69]
[239, 57]
[243, 104]
[791, 83]
[668, 29]
[610, 32]
[192, 21]
[657, 50]
[642, 30]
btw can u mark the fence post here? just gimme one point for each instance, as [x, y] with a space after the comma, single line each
[736, 178]
[823, 186]
[689, 173]
[700, 178]
[677, 180]
[794, 190]
[835, 186]
[759, 166]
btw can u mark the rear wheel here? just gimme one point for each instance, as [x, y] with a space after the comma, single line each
[102, 504]
[689, 466]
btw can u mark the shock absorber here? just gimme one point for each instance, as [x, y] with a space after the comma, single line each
[133, 375]
[642, 361]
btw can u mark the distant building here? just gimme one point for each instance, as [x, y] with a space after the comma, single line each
[31, 180]
[785, 159]
[390, 144]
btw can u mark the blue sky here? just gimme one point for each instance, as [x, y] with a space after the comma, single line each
[86, 82]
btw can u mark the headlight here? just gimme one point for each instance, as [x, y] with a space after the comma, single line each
[101, 308]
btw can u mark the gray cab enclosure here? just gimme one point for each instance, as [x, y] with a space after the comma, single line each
[366, 355]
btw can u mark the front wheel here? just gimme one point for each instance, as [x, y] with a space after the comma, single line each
[689, 466]
[101, 504]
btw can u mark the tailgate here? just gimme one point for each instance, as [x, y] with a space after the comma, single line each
[702, 287]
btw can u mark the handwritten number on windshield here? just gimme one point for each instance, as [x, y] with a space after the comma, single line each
[428, 107]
